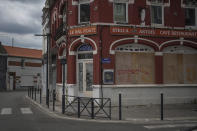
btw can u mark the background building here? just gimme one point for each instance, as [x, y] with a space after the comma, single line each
[23, 67]
[3, 67]
[139, 48]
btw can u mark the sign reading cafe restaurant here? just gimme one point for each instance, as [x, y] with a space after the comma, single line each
[152, 32]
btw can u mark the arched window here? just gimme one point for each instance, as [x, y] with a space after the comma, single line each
[134, 64]
[134, 48]
[85, 51]
[180, 65]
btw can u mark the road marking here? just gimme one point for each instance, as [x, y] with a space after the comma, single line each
[169, 126]
[6, 111]
[26, 111]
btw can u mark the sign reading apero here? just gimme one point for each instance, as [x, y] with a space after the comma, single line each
[90, 30]
[152, 32]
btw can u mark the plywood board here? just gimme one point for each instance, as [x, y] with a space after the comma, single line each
[134, 68]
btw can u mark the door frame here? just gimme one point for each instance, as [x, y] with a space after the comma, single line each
[14, 79]
[84, 92]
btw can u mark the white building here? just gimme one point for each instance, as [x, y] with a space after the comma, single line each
[23, 67]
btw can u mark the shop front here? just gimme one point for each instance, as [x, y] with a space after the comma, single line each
[139, 63]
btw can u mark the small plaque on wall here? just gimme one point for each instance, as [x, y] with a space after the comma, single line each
[108, 76]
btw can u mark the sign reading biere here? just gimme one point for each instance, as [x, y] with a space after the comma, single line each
[152, 32]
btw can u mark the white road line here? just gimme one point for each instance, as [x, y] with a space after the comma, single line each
[6, 111]
[26, 111]
[169, 126]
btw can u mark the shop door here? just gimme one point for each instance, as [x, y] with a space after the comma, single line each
[85, 78]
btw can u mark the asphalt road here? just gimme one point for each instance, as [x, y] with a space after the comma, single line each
[18, 114]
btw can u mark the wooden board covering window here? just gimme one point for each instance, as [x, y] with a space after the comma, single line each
[190, 68]
[180, 68]
[134, 68]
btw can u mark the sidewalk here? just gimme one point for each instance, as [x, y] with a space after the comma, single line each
[138, 114]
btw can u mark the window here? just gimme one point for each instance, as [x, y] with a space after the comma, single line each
[190, 17]
[64, 15]
[84, 13]
[120, 12]
[156, 14]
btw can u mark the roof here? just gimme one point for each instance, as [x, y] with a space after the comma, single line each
[23, 52]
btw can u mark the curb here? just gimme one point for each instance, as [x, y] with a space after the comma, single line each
[128, 120]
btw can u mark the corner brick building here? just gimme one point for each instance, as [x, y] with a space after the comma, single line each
[139, 48]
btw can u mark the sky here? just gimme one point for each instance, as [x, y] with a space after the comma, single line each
[19, 21]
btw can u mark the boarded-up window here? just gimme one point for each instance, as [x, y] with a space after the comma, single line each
[190, 68]
[180, 68]
[135, 68]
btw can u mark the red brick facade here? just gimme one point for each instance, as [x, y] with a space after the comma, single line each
[104, 41]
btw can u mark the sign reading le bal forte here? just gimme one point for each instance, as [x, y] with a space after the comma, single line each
[90, 30]
[152, 32]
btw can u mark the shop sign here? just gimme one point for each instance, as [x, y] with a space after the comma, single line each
[152, 32]
[90, 30]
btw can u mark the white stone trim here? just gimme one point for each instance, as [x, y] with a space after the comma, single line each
[165, 4]
[73, 52]
[113, 51]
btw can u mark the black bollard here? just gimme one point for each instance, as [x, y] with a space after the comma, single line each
[161, 106]
[120, 107]
[63, 104]
[79, 110]
[92, 106]
[40, 95]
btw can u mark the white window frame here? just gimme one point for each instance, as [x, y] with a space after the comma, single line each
[192, 26]
[121, 2]
[79, 7]
[162, 9]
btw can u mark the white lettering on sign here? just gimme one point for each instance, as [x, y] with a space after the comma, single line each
[121, 30]
[147, 32]
[165, 32]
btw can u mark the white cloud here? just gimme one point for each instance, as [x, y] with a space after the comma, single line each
[21, 19]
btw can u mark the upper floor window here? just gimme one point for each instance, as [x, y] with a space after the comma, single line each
[190, 16]
[64, 15]
[120, 12]
[84, 12]
[156, 14]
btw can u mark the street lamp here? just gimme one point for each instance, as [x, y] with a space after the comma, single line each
[47, 69]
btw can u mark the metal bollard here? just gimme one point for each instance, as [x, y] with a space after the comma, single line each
[54, 100]
[120, 107]
[79, 110]
[161, 106]
[63, 104]
[47, 98]
[28, 91]
[40, 95]
[32, 95]
[35, 93]
[92, 107]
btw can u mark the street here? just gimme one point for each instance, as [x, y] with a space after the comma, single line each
[17, 113]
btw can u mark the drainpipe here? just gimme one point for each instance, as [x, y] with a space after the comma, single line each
[101, 64]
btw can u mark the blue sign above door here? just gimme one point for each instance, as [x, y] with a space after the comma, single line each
[106, 60]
